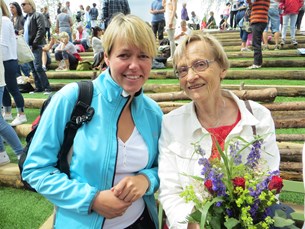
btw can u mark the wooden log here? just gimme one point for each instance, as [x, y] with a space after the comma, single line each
[70, 74]
[290, 91]
[240, 74]
[290, 123]
[23, 130]
[266, 74]
[295, 176]
[10, 176]
[266, 95]
[286, 106]
[288, 114]
[290, 137]
[284, 90]
[291, 166]
[158, 88]
[292, 155]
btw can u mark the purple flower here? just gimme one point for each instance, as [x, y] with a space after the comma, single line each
[234, 148]
[254, 154]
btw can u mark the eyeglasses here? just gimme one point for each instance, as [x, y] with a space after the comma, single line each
[23, 4]
[197, 66]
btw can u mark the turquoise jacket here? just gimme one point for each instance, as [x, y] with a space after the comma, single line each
[95, 151]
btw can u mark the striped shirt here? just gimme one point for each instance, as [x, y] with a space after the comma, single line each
[259, 11]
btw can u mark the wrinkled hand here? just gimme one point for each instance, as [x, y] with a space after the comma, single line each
[108, 205]
[131, 188]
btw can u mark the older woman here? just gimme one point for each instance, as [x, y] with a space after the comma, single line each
[201, 64]
[115, 156]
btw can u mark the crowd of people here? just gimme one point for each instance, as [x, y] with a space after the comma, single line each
[130, 145]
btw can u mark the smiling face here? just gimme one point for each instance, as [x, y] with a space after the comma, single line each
[129, 66]
[200, 85]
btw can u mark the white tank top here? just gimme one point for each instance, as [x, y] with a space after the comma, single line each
[128, 164]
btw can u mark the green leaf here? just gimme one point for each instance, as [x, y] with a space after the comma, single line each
[280, 213]
[282, 222]
[231, 223]
[205, 210]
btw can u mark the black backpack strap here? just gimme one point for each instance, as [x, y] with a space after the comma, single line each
[82, 113]
[250, 109]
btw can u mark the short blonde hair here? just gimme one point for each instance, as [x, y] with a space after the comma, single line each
[63, 35]
[212, 44]
[133, 31]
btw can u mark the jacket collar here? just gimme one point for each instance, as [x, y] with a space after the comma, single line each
[111, 90]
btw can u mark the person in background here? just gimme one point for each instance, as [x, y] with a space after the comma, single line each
[184, 13]
[233, 12]
[64, 22]
[158, 20]
[18, 21]
[97, 43]
[290, 13]
[6, 131]
[258, 20]
[34, 35]
[10, 63]
[87, 18]
[82, 37]
[97, 46]
[47, 22]
[68, 8]
[66, 51]
[226, 12]
[274, 22]
[214, 115]
[170, 22]
[110, 8]
[182, 32]
[195, 22]
[80, 14]
[93, 12]
[300, 17]
[113, 181]
[211, 24]
[58, 11]
[243, 33]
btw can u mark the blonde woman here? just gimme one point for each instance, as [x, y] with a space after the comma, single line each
[67, 52]
[114, 159]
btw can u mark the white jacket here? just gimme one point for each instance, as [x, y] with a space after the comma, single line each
[181, 128]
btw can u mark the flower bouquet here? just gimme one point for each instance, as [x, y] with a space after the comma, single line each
[233, 194]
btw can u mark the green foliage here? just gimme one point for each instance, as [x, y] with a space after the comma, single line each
[22, 209]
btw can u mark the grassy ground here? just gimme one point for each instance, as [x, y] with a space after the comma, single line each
[25, 210]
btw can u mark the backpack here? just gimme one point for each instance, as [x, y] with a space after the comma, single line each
[81, 114]
[84, 66]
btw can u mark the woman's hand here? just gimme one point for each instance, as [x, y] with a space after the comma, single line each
[108, 205]
[131, 188]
